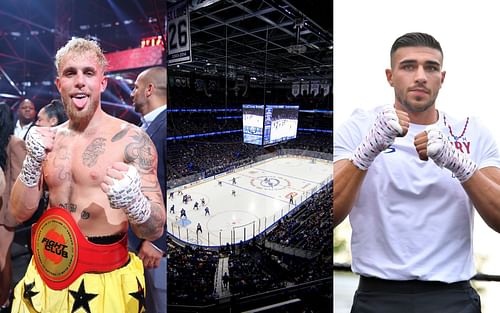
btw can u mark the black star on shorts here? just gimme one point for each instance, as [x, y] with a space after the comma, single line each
[29, 293]
[139, 295]
[81, 298]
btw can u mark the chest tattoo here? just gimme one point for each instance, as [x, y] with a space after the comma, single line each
[93, 150]
[60, 163]
[120, 134]
[68, 206]
[85, 215]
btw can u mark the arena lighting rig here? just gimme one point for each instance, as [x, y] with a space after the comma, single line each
[150, 53]
[152, 41]
[135, 58]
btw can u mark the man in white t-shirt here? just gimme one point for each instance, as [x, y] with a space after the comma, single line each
[26, 116]
[409, 177]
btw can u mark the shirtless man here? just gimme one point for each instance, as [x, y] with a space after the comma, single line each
[102, 171]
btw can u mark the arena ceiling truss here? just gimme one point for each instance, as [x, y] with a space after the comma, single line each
[271, 39]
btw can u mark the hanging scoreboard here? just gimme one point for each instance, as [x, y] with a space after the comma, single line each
[269, 124]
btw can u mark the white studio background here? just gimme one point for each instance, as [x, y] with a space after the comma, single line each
[469, 33]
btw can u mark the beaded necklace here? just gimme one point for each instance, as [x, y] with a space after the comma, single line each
[451, 131]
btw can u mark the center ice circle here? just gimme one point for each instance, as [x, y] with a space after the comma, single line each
[270, 182]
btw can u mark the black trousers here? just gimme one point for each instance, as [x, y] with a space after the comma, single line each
[389, 296]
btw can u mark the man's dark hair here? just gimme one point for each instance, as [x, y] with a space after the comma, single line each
[416, 40]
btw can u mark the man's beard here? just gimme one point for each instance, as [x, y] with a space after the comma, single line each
[81, 116]
[416, 109]
[138, 106]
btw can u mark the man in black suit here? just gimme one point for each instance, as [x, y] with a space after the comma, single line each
[150, 100]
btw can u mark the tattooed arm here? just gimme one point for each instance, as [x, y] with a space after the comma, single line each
[141, 154]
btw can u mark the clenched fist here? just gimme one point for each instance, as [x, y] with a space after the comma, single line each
[39, 141]
[431, 143]
[389, 124]
[122, 184]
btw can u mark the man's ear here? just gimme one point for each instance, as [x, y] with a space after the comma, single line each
[104, 83]
[58, 84]
[388, 75]
[149, 90]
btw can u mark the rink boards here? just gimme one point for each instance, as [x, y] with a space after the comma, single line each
[262, 197]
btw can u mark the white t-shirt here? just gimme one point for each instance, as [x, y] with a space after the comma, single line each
[412, 219]
[20, 131]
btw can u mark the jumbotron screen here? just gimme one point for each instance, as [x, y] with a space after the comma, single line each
[253, 123]
[269, 124]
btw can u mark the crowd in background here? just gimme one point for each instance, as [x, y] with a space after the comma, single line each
[189, 123]
[190, 274]
[289, 230]
[254, 268]
[216, 154]
[16, 123]
[192, 123]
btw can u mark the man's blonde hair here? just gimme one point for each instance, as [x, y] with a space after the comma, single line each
[81, 45]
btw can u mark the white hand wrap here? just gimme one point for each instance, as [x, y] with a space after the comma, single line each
[32, 165]
[126, 194]
[382, 134]
[444, 154]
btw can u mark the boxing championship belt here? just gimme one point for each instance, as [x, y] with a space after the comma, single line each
[62, 253]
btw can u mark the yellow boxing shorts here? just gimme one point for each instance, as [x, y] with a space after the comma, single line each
[121, 290]
[69, 274]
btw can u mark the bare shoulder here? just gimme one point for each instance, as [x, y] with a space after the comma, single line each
[140, 150]
[116, 130]
[136, 144]
[124, 132]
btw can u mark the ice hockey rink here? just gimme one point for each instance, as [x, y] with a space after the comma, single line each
[261, 197]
